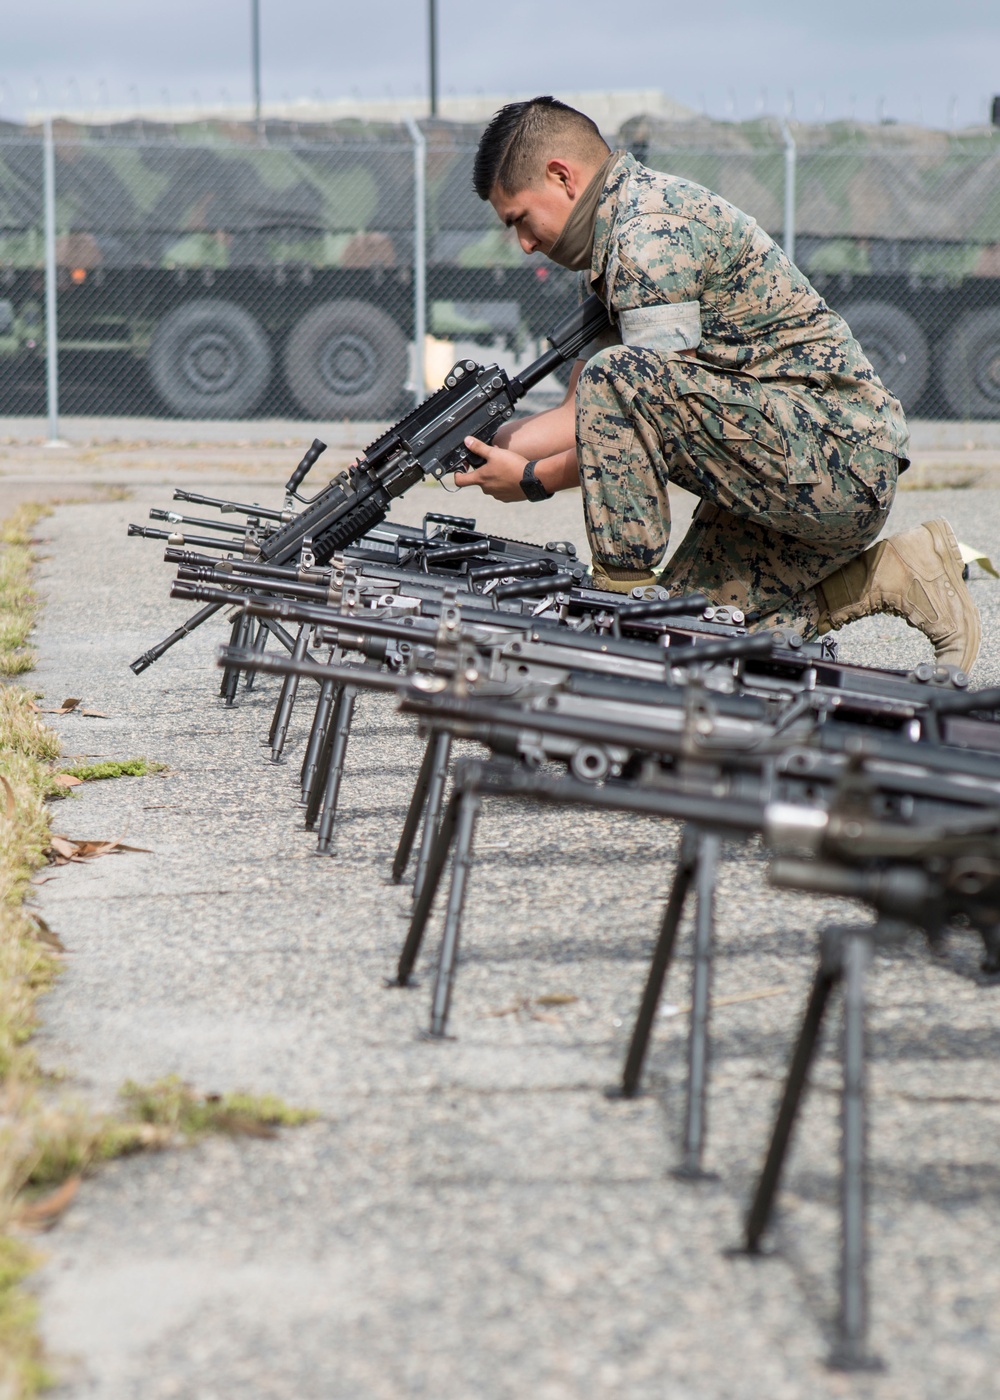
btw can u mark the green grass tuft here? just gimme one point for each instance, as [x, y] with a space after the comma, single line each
[18, 605]
[172, 1104]
[114, 768]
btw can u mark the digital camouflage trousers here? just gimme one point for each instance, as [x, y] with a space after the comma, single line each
[783, 503]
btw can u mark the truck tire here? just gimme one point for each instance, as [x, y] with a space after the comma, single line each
[970, 366]
[346, 359]
[895, 345]
[210, 359]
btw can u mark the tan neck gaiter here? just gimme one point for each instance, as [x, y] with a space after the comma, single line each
[574, 246]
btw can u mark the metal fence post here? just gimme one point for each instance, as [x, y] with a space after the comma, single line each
[419, 259]
[51, 318]
[788, 237]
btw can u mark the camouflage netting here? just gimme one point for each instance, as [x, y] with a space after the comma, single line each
[212, 194]
[857, 183]
[340, 194]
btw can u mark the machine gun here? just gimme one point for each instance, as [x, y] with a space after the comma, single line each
[476, 401]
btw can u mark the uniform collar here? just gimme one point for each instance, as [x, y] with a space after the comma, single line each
[607, 212]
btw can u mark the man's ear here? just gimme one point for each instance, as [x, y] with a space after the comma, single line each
[562, 173]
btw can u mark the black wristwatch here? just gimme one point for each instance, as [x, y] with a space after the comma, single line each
[532, 487]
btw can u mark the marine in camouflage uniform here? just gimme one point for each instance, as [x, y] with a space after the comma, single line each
[736, 381]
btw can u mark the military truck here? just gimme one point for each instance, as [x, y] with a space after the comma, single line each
[208, 270]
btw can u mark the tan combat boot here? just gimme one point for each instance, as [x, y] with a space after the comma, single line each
[917, 576]
[613, 580]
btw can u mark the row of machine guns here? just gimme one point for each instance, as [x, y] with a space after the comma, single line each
[876, 785]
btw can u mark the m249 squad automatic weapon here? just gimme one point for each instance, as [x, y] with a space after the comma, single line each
[476, 401]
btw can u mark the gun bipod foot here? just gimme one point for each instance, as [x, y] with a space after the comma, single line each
[618, 1091]
[396, 984]
[435, 1037]
[848, 1358]
[744, 1251]
[693, 1174]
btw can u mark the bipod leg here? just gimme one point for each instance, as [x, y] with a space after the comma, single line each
[468, 812]
[659, 966]
[850, 1351]
[231, 674]
[286, 700]
[323, 762]
[422, 906]
[432, 809]
[317, 737]
[338, 752]
[413, 813]
[259, 643]
[701, 986]
[827, 974]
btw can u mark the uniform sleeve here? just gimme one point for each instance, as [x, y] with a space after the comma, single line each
[659, 258]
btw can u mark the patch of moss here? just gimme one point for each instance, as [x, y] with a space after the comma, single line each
[114, 768]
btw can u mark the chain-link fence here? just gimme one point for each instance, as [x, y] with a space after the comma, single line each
[335, 271]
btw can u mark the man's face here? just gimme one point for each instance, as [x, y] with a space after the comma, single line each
[538, 213]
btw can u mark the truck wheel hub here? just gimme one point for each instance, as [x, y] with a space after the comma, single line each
[209, 363]
[348, 364]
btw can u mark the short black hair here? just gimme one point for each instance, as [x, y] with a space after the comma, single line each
[512, 145]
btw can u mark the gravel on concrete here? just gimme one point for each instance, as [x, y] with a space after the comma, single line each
[472, 1218]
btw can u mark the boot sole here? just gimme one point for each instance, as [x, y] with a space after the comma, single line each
[947, 550]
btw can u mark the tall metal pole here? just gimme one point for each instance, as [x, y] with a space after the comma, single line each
[432, 53]
[419, 259]
[255, 57]
[788, 237]
[51, 318]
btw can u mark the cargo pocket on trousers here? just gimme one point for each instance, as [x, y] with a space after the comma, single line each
[876, 470]
[733, 417]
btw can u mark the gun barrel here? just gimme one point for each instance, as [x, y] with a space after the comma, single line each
[194, 499]
[174, 537]
[172, 518]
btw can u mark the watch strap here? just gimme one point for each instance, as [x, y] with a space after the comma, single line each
[534, 489]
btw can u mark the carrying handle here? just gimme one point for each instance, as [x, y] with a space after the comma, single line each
[534, 587]
[690, 605]
[305, 466]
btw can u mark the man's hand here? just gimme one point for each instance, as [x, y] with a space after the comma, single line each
[499, 476]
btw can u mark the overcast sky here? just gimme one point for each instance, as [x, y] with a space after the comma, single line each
[932, 60]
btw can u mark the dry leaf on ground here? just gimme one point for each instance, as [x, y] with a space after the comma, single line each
[66, 780]
[94, 714]
[529, 1005]
[43, 1213]
[9, 803]
[46, 935]
[63, 850]
[67, 705]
